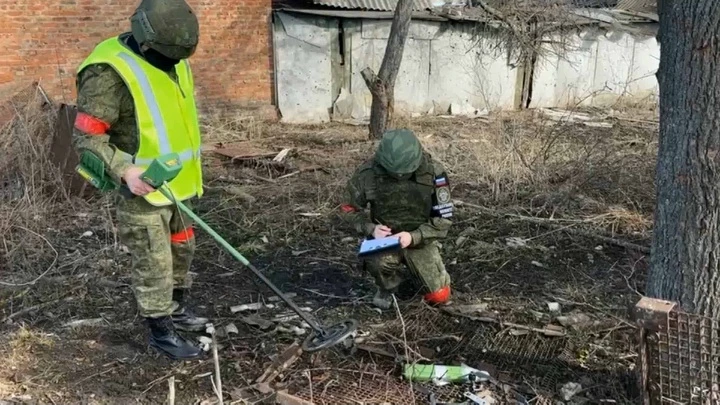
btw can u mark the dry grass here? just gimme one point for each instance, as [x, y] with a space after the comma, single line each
[31, 186]
[511, 162]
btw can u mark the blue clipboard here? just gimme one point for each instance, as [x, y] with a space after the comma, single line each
[371, 247]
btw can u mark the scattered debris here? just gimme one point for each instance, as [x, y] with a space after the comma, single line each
[243, 151]
[282, 155]
[300, 252]
[275, 298]
[250, 307]
[537, 264]
[471, 308]
[286, 317]
[205, 343]
[553, 307]
[466, 110]
[281, 363]
[231, 328]
[574, 320]
[569, 390]
[84, 322]
[515, 242]
[253, 320]
[240, 192]
[443, 375]
[86, 234]
[292, 329]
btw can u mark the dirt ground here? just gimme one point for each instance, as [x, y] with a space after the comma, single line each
[544, 207]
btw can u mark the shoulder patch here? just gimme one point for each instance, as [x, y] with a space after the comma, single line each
[443, 195]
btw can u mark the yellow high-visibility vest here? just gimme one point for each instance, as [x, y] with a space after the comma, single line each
[167, 119]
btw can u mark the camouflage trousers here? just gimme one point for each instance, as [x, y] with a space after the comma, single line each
[424, 263]
[161, 244]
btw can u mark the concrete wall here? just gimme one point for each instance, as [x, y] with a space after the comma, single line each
[303, 72]
[600, 69]
[443, 64]
[45, 41]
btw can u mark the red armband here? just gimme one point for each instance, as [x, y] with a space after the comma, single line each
[90, 125]
[347, 208]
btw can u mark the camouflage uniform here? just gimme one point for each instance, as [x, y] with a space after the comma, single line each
[418, 203]
[159, 266]
[160, 239]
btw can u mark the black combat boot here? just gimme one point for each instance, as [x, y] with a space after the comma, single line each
[183, 318]
[164, 338]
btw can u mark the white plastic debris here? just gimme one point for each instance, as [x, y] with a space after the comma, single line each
[250, 307]
[569, 390]
[205, 343]
[515, 242]
[231, 328]
[292, 330]
[553, 307]
[537, 264]
[86, 234]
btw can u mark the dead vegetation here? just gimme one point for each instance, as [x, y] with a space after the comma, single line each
[547, 197]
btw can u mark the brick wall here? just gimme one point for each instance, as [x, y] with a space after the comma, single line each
[45, 40]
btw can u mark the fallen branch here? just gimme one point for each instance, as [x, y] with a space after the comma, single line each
[63, 297]
[171, 393]
[560, 332]
[218, 380]
[550, 223]
[52, 265]
[282, 362]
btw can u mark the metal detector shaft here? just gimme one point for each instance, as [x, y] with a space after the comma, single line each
[242, 260]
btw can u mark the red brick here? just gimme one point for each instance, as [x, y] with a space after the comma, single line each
[45, 40]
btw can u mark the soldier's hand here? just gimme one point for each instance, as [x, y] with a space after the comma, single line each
[381, 231]
[405, 239]
[134, 183]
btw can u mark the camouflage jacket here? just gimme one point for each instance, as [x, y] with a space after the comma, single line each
[106, 123]
[421, 205]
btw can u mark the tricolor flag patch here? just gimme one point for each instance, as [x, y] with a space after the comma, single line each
[440, 182]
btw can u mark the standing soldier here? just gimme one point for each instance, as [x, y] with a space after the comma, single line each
[409, 198]
[136, 103]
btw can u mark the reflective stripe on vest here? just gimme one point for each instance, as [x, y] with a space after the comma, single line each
[151, 101]
[166, 116]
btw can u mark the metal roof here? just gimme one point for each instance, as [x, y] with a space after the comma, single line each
[378, 5]
[645, 6]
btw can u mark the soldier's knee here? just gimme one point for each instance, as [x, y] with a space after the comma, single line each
[439, 296]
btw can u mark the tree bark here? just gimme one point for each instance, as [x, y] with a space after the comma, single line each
[382, 86]
[685, 259]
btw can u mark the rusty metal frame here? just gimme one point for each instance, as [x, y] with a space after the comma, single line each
[678, 354]
[651, 316]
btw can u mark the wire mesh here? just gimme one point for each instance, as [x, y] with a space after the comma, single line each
[531, 358]
[683, 359]
[353, 388]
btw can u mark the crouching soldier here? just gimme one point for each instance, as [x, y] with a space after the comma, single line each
[409, 198]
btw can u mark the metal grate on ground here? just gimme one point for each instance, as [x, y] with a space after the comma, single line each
[531, 358]
[679, 355]
[353, 388]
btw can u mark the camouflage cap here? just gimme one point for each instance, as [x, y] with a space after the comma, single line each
[399, 151]
[170, 27]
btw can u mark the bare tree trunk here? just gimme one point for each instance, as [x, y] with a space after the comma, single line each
[382, 86]
[685, 260]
